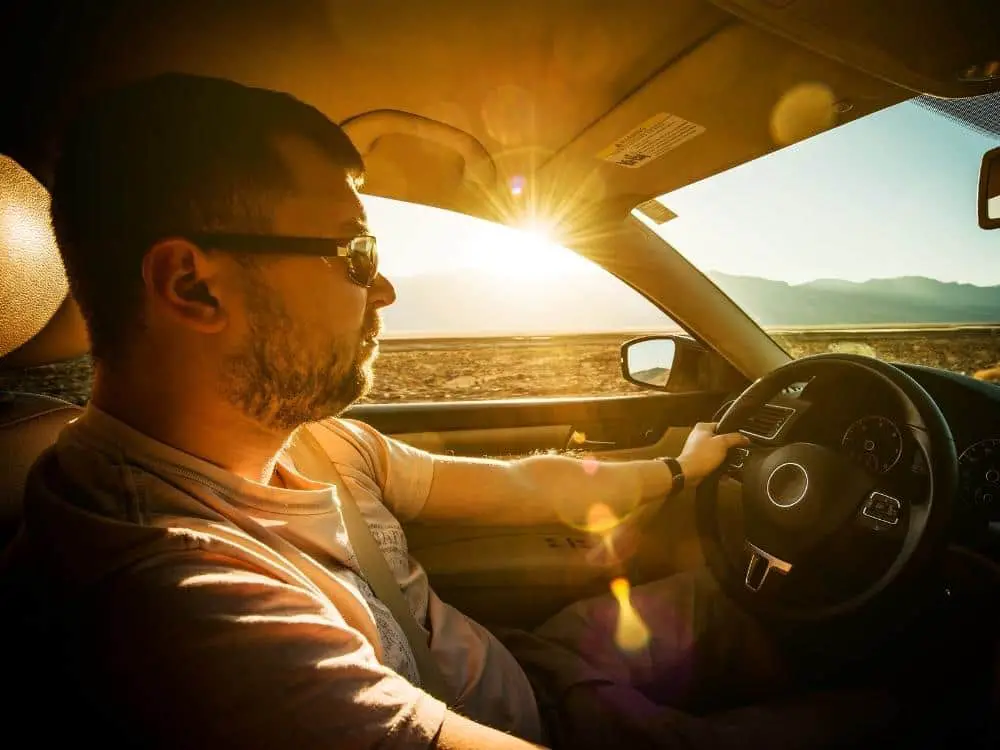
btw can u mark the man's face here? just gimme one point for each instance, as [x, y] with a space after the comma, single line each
[307, 333]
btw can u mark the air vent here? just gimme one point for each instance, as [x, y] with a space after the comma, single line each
[767, 422]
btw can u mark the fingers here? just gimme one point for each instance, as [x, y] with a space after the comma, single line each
[733, 439]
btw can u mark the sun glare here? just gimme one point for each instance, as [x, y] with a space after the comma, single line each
[527, 251]
[541, 231]
[418, 239]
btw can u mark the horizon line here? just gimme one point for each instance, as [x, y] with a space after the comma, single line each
[777, 329]
[849, 281]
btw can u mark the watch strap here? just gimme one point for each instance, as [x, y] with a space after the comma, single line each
[677, 483]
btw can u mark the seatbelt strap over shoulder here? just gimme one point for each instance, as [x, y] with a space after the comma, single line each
[313, 461]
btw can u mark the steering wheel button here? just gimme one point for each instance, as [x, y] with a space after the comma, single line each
[738, 456]
[883, 508]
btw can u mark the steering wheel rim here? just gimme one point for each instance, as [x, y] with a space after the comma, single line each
[799, 510]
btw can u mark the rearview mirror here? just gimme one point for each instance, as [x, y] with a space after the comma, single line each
[989, 190]
[648, 361]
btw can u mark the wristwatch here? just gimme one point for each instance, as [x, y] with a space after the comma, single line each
[678, 475]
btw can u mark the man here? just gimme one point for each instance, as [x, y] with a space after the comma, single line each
[208, 592]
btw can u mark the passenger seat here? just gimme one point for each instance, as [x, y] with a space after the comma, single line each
[29, 423]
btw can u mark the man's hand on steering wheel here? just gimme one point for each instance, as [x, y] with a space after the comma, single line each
[704, 451]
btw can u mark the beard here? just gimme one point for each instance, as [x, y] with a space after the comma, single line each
[279, 382]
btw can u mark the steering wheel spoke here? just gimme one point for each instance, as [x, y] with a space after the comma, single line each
[744, 458]
[760, 565]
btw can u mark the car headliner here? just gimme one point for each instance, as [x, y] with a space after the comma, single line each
[452, 103]
[540, 87]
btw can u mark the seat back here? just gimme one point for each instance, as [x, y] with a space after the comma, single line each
[37, 628]
[29, 423]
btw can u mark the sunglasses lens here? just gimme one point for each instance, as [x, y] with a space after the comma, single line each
[363, 260]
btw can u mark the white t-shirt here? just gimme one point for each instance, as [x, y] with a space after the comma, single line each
[154, 485]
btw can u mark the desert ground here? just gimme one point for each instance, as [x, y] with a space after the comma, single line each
[587, 365]
[582, 365]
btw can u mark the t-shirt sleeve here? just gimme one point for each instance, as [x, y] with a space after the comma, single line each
[404, 474]
[207, 652]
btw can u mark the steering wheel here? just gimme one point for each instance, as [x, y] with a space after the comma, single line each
[797, 495]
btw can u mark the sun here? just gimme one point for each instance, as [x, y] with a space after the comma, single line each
[527, 252]
[540, 230]
[416, 239]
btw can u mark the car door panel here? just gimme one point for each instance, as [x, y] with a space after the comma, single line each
[512, 441]
[600, 425]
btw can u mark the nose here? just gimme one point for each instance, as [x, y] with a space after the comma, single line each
[382, 293]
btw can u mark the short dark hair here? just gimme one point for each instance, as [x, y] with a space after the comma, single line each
[161, 156]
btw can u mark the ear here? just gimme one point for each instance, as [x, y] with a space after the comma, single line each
[183, 283]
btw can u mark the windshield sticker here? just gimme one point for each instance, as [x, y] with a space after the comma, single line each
[656, 212]
[655, 137]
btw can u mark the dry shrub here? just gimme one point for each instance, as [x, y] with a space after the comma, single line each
[991, 373]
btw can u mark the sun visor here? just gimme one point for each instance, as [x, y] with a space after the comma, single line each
[416, 159]
[32, 280]
[946, 48]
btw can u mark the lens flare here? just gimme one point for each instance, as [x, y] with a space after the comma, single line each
[802, 112]
[631, 633]
[600, 519]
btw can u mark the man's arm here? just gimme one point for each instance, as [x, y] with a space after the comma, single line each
[547, 489]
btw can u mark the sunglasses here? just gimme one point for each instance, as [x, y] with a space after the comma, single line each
[361, 251]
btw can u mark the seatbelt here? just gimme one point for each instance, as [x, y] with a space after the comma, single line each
[314, 462]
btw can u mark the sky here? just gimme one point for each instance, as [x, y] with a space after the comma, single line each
[891, 194]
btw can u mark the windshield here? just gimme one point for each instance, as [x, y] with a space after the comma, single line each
[860, 239]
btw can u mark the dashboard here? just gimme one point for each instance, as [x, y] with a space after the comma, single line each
[864, 423]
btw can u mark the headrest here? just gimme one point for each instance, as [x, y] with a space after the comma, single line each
[32, 280]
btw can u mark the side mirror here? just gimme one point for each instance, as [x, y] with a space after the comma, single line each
[677, 364]
[989, 190]
[648, 361]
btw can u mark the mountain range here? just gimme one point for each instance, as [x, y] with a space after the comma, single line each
[470, 303]
[902, 300]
